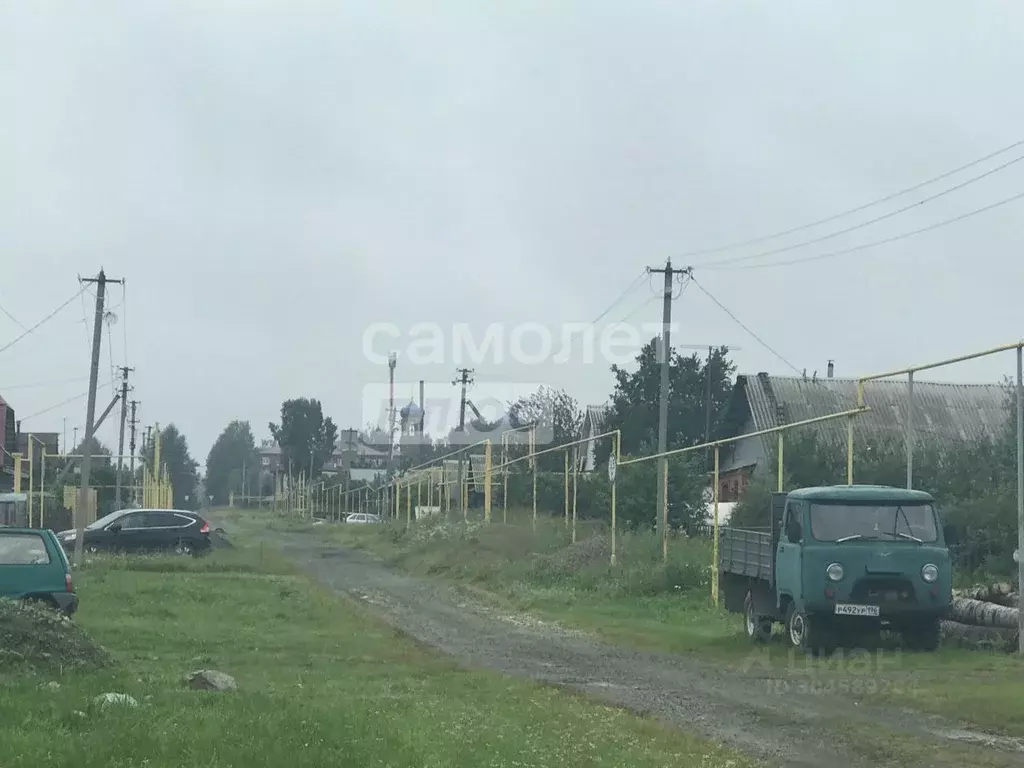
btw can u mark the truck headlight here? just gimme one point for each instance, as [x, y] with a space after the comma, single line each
[929, 573]
[835, 572]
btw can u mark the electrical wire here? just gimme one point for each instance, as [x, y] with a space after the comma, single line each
[37, 325]
[763, 343]
[85, 313]
[742, 325]
[858, 209]
[637, 282]
[62, 403]
[44, 383]
[875, 243]
[869, 222]
[12, 318]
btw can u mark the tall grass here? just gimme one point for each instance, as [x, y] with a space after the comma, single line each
[544, 555]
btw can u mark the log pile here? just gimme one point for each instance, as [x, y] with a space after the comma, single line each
[983, 616]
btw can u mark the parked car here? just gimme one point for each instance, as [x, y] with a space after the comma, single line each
[145, 530]
[361, 517]
[34, 567]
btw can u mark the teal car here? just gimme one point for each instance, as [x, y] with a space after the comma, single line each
[33, 566]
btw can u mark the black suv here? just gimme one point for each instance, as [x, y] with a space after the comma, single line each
[145, 530]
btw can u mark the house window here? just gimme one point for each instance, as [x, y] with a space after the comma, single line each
[266, 461]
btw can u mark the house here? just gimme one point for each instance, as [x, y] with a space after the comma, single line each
[593, 424]
[943, 413]
[8, 445]
[351, 452]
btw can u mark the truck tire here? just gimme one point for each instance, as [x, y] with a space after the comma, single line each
[808, 633]
[759, 628]
[923, 636]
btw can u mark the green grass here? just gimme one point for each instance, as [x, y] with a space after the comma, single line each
[643, 603]
[321, 683]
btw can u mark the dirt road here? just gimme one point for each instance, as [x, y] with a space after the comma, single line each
[782, 719]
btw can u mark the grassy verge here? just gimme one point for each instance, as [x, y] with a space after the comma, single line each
[321, 683]
[642, 602]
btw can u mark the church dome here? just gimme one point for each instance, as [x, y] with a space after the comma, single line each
[410, 410]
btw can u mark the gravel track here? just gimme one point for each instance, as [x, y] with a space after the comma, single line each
[777, 717]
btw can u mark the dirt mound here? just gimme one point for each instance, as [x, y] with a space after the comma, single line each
[36, 637]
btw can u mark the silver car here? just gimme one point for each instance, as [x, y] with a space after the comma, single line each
[361, 517]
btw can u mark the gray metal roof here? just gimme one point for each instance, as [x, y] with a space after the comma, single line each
[596, 415]
[943, 413]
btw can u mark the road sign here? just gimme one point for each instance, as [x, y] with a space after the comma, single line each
[611, 468]
[1016, 556]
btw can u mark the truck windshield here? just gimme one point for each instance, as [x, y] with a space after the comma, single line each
[830, 522]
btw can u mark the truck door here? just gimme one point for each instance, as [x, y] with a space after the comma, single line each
[788, 556]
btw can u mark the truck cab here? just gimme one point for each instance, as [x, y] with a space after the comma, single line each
[838, 564]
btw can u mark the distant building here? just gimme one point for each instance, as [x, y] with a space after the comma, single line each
[351, 452]
[943, 414]
[49, 440]
[593, 425]
[8, 445]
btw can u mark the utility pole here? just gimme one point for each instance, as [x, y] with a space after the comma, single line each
[666, 356]
[120, 440]
[131, 447]
[464, 379]
[101, 281]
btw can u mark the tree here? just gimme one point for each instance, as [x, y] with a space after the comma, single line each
[634, 406]
[306, 438]
[553, 411]
[232, 457]
[182, 469]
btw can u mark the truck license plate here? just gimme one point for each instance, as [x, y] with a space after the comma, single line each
[848, 609]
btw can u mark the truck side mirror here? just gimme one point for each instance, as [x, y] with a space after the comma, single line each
[793, 531]
[949, 534]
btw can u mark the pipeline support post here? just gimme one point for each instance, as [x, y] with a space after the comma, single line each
[533, 467]
[909, 438]
[18, 458]
[31, 478]
[782, 449]
[575, 480]
[614, 482]
[1020, 492]
[487, 481]
[566, 483]
[504, 479]
[715, 534]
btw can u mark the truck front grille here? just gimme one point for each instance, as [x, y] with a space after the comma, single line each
[882, 590]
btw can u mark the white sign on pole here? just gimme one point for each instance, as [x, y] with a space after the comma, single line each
[611, 468]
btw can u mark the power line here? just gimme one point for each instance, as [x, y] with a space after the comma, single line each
[41, 322]
[61, 403]
[875, 243]
[859, 208]
[763, 343]
[12, 318]
[44, 383]
[869, 222]
[742, 325]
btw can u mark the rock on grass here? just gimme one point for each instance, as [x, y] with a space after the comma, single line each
[36, 638]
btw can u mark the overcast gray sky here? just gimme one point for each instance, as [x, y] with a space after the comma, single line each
[272, 177]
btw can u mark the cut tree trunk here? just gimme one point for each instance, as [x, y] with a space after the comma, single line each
[978, 638]
[1001, 593]
[981, 614]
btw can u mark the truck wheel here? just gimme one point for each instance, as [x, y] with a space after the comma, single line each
[923, 636]
[759, 628]
[807, 633]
